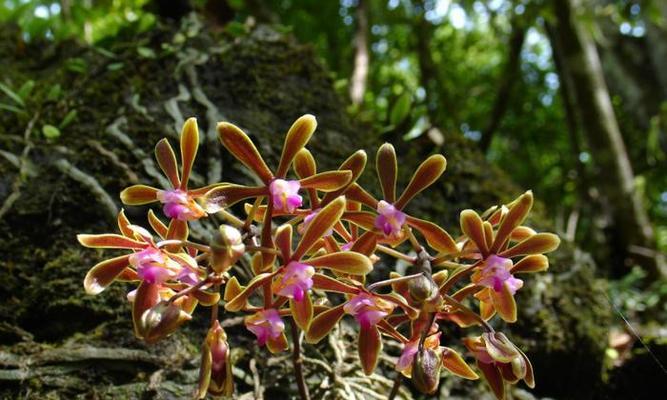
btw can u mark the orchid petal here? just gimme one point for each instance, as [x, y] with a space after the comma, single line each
[504, 303]
[347, 262]
[158, 226]
[514, 217]
[327, 181]
[302, 311]
[493, 379]
[325, 219]
[387, 167]
[455, 364]
[355, 164]
[304, 164]
[109, 241]
[370, 346]
[189, 146]
[166, 159]
[536, 244]
[227, 195]
[531, 263]
[329, 284]
[298, 135]
[427, 173]
[137, 195]
[238, 302]
[123, 224]
[241, 147]
[435, 236]
[473, 228]
[147, 296]
[277, 345]
[323, 323]
[284, 241]
[104, 273]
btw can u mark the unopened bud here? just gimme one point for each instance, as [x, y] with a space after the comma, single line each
[500, 348]
[422, 289]
[161, 320]
[215, 375]
[426, 370]
[226, 248]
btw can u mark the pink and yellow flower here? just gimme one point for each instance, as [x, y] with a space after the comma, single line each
[390, 220]
[367, 309]
[180, 205]
[296, 280]
[495, 273]
[285, 195]
[269, 329]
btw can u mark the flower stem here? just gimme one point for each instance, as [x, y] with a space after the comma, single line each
[396, 254]
[397, 385]
[468, 311]
[386, 282]
[298, 363]
[189, 290]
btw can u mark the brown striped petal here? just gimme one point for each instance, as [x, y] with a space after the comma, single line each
[324, 220]
[473, 228]
[514, 217]
[387, 167]
[427, 173]
[109, 241]
[536, 244]
[302, 311]
[137, 195]
[104, 273]
[298, 135]
[327, 181]
[347, 262]
[166, 159]
[241, 147]
[370, 346]
[435, 236]
[189, 146]
[323, 323]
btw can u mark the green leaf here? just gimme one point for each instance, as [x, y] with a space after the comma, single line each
[11, 108]
[76, 64]
[68, 119]
[55, 92]
[11, 94]
[115, 66]
[401, 109]
[50, 132]
[26, 88]
[146, 52]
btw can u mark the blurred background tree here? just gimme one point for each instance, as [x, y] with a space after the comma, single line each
[569, 97]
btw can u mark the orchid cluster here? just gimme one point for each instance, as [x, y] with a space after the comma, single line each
[310, 239]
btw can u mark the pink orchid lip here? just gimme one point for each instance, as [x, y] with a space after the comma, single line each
[178, 205]
[265, 324]
[390, 220]
[365, 310]
[496, 272]
[285, 195]
[296, 280]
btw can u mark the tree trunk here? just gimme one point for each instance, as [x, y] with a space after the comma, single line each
[361, 55]
[632, 238]
[508, 79]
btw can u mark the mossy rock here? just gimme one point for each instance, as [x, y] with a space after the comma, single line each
[261, 82]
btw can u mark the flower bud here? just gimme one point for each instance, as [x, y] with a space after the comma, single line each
[426, 370]
[161, 320]
[422, 289]
[215, 374]
[500, 348]
[226, 248]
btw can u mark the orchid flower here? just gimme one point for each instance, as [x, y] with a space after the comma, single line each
[179, 202]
